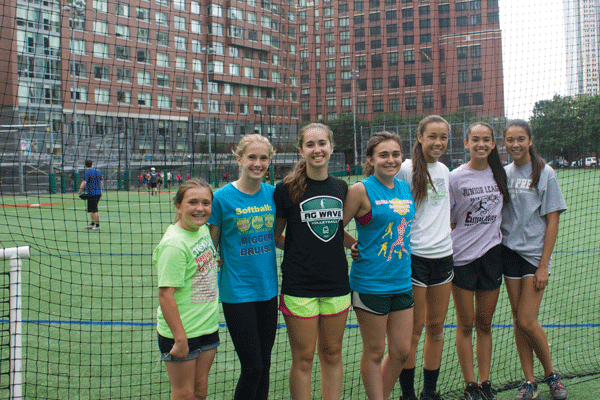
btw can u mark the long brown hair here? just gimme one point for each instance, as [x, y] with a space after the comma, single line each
[373, 142]
[494, 163]
[184, 187]
[537, 162]
[420, 174]
[295, 181]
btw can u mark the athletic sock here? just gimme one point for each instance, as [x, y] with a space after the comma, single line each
[430, 378]
[407, 383]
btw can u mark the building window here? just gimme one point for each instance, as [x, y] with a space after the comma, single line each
[102, 72]
[123, 75]
[375, 30]
[444, 8]
[391, 15]
[375, 44]
[122, 10]
[124, 96]
[374, 17]
[410, 80]
[360, 62]
[408, 26]
[122, 53]
[476, 19]
[411, 103]
[463, 99]
[143, 35]
[408, 40]
[162, 60]
[181, 82]
[162, 18]
[445, 23]
[407, 13]
[426, 54]
[377, 83]
[361, 107]
[144, 99]
[359, 46]
[476, 51]
[424, 23]
[393, 82]
[181, 102]
[162, 80]
[392, 57]
[359, 19]
[478, 99]
[164, 101]
[493, 17]
[143, 56]
[475, 4]
[476, 75]
[461, 6]
[162, 39]
[361, 85]
[427, 79]
[360, 32]
[376, 60]
[425, 38]
[144, 78]
[391, 28]
[427, 102]
[100, 27]
[122, 31]
[142, 14]
[462, 52]
[409, 56]
[394, 105]
[463, 76]
[377, 106]
[462, 21]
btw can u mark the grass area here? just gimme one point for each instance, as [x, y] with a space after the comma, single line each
[90, 301]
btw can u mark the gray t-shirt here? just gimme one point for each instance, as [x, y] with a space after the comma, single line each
[476, 210]
[524, 217]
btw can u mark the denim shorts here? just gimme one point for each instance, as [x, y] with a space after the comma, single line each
[196, 345]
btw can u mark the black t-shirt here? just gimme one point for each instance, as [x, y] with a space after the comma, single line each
[314, 259]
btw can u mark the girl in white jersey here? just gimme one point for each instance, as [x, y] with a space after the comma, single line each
[477, 192]
[529, 230]
[431, 252]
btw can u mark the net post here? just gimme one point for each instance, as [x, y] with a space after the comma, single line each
[14, 255]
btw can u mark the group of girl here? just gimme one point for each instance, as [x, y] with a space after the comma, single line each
[405, 259]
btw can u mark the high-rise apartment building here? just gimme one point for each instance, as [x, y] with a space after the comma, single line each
[582, 31]
[163, 75]
[399, 56]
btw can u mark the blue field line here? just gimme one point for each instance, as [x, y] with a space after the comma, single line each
[150, 255]
[279, 326]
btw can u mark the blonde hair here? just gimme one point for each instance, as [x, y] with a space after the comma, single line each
[187, 185]
[295, 181]
[247, 140]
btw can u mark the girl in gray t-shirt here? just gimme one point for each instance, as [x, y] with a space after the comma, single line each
[529, 230]
[477, 193]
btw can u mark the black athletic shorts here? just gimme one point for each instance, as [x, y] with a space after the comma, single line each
[485, 273]
[514, 266]
[92, 206]
[431, 271]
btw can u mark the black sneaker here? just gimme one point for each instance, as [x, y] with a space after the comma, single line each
[557, 389]
[486, 391]
[431, 396]
[472, 392]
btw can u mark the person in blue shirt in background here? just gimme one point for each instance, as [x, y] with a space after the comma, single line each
[92, 183]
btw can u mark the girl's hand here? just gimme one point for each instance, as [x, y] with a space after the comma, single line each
[354, 251]
[180, 349]
[540, 278]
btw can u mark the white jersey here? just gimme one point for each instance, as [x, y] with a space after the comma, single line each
[430, 234]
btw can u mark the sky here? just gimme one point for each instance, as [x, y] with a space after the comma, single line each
[533, 53]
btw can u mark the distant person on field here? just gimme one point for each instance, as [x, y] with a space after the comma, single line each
[141, 179]
[92, 183]
[153, 181]
[179, 178]
[160, 179]
[169, 178]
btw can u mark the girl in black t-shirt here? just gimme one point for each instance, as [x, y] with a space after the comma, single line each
[315, 293]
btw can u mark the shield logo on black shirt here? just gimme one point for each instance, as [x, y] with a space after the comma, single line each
[322, 214]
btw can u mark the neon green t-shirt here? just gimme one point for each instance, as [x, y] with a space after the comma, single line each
[186, 261]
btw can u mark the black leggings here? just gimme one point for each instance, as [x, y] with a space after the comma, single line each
[252, 327]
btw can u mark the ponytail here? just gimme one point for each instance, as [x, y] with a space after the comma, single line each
[295, 181]
[499, 174]
[420, 174]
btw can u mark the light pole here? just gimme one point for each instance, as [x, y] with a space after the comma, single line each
[355, 75]
[77, 7]
[207, 50]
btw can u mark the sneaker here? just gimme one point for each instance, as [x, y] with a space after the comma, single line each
[557, 389]
[431, 396]
[96, 228]
[485, 389]
[472, 392]
[527, 391]
[90, 227]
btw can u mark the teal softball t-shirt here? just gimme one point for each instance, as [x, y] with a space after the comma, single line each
[247, 243]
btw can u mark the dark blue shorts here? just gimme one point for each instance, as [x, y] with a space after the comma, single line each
[196, 346]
